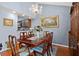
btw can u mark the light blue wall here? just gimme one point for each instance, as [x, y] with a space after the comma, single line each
[60, 34]
[4, 30]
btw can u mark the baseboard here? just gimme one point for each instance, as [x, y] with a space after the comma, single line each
[60, 45]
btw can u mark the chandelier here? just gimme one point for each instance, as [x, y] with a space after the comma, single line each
[36, 9]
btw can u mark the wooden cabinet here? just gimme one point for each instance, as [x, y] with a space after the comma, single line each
[72, 44]
[74, 32]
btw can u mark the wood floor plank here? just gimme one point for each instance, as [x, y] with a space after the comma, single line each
[62, 51]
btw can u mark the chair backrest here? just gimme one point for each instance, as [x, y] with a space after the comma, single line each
[51, 36]
[46, 44]
[23, 35]
[12, 43]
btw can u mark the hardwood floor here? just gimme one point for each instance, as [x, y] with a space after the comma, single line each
[62, 51]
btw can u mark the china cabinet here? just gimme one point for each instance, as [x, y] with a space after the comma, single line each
[74, 30]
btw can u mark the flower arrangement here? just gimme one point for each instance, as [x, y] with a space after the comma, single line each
[38, 28]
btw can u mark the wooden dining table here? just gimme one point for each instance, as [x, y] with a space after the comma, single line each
[34, 43]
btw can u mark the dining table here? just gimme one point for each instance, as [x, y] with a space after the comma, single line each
[34, 42]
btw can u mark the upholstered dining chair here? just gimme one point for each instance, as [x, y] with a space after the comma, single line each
[21, 51]
[43, 49]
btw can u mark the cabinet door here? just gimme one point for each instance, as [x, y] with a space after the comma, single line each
[72, 44]
[74, 22]
[74, 26]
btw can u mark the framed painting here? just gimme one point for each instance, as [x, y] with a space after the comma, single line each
[24, 24]
[50, 22]
[8, 22]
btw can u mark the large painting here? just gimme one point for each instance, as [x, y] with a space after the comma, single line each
[50, 22]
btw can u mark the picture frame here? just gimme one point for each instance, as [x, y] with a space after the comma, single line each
[50, 21]
[7, 22]
[24, 25]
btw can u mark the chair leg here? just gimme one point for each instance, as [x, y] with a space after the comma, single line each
[51, 48]
[49, 52]
[34, 53]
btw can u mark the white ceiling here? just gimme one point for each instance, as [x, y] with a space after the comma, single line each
[57, 3]
[3, 8]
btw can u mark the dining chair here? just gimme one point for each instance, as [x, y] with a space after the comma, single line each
[51, 42]
[24, 51]
[40, 50]
[23, 35]
[44, 48]
[49, 35]
[10, 45]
